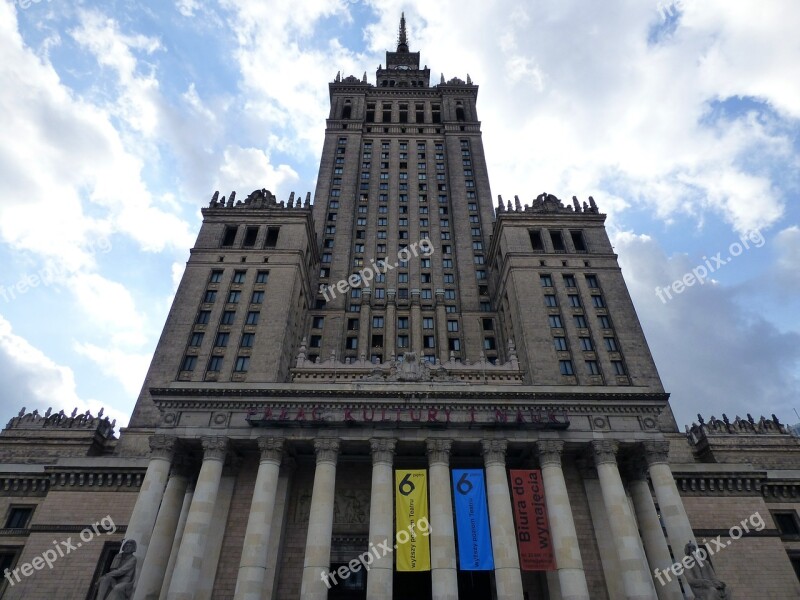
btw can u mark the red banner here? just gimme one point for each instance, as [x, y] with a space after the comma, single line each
[530, 512]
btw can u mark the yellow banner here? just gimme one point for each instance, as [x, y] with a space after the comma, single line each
[411, 515]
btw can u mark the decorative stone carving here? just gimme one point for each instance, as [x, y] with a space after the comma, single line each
[605, 451]
[439, 451]
[656, 451]
[214, 448]
[494, 451]
[327, 449]
[382, 450]
[117, 584]
[549, 452]
[271, 449]
[351, 506]
[163, 446]
[702, 578]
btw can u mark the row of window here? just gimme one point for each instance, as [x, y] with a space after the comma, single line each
[239, 276]
[250, 237]
[556, 241]
[241, 365]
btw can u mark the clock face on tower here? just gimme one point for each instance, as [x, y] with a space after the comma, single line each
[402, 67]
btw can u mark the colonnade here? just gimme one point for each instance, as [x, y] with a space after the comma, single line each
[172, 518]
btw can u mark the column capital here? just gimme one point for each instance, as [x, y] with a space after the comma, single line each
[656, 451]
[327, 449]
[605, 451]
[549, 452]
[439, 451]
[494, 451]
[271, 449]
[163, 446]
[214, 447]
[382, 450]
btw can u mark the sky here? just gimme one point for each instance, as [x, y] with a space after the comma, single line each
[119, 119]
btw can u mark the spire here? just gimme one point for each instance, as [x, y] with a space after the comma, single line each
[402, 40]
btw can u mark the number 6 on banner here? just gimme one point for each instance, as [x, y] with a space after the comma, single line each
[464, 485]
[406, 487]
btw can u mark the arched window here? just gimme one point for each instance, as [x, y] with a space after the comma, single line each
[348, 109]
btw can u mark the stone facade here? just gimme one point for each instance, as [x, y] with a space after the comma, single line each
[279, 401]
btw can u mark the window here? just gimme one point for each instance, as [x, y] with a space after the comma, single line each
[234, 296]
[402, 341]
[210, 296]
[215, 363]
[427, 323]
[449, 308]
[352, 324]
[619, 368]
[351, 343]
[251, 233]
[272, 235]
[580, 321]
[550, 300]
[574, 300]
[452, 326]
[454, 344]
[216, 276]
[555, 321]
[586, 344]
[489, 343]
[449, 278]
[202, 317]
[252, 317]
[546, 280]
[447, 263]
[258, 297]
[242, 364]
[577, 241]
[229, 235]
[591, 281]
[197, 339]
[222, 339]
[787, 523]
[326, 258]
[227, 317]
[355, 293]
[189, 363]
[402, 294]
[592, 368]
[19, 517]
[359, 248]
[428, 341]
[247, 340]
[569, 281]
[560, 344]
[315, 341]
[558, 241]
[377, 322]
[597, 302]
[450, 294]
[262, 277]
[476, 232]
[324, 272]
[486, 307]
[380, 293]
[402, 322]
[426, 294]
[605, 321]
[565, 366]
[611, 344]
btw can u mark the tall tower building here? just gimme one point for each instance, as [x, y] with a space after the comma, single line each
[399, 390]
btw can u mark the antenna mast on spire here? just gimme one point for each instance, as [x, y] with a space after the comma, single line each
[402, 40]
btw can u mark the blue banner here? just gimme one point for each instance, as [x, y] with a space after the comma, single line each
[472, 521]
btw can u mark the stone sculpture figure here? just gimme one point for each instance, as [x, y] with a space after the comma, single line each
[117, 584]
[702, 578]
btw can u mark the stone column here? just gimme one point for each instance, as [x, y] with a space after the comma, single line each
[381, 517]
[416, 324]
[636, 580]
[364, 323]
[507, 573]
[655, 545]
[443, 544]
[189, 564]
[145, 511]
[673, 514]
[253, 564]
[571, 576]
[679, 530]
[176, 542]
[320, 521]
[390, 327]
[154, 566]
[441, 327]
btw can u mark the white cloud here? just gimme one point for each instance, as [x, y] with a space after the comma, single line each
[248, 169]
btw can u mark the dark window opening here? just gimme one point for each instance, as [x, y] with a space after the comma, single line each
[19, 517]
[536, 240]
[250, 237]
[377, 341]
[577, 241]
[460, 113]
[347, 111]
[558, 241]
[787, 523]
[371, 113]
[387, 115]
[272, 237]
[230, 235]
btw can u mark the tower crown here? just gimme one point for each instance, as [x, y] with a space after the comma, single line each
[402, 66]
